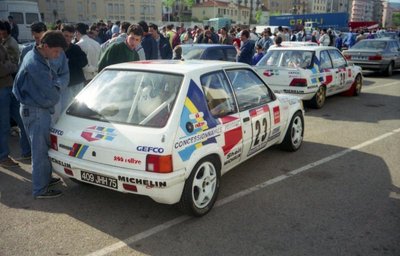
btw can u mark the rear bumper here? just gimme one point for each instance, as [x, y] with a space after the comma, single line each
[299, 94]
[163, 188]
[372, 65]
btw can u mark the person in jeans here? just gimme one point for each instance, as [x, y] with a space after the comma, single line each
[37, 87]
[9, 107]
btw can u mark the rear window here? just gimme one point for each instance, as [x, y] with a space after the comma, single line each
[370, 45]
[128, 97]
[192, 53]
[287, 58]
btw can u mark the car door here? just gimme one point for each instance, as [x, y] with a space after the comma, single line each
[394, 48]
[222, 106]
[255, 102]
[342, 73]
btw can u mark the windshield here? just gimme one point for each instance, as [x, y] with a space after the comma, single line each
[130, 97]
[192, 52]
[370, 45]
[287, 58]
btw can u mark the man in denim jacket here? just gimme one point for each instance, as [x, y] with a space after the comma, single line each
[37, 86]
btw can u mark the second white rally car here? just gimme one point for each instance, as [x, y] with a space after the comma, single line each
[170, 129]
[310, 72]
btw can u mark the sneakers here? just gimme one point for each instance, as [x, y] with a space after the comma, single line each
[54, 181]
[50, 193]
[8, 162]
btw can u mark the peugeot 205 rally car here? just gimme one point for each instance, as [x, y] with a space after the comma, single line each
[170, 129]
[310, 72]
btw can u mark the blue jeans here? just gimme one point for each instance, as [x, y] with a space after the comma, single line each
[9, 107]
[37, 124]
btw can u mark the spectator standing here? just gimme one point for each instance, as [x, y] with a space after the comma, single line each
[148, 43]
[324, 39]
[94, 33]
[14, 28]
[115, 29]
[124, 51]
[91, 48]
[176, 40]
[9, 43]
[225, 37]
[170, 33]
[314, 36]
[350, 40]
[207, 37]
[339, 42]
[258, 55]
[265, 42]
[177, 53]
[58, 25]
[370, 35]
[360, 37]
[246, 50]
[9, 108]
[120, 38]
[164, 48]
[76, 61]
[37, 87]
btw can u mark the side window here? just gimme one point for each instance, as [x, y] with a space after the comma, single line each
[231, 54]
[250, 90]
[393, 46]
[325, 60]
[18, 17]
[31, 17]
[215, 54]
[218, 94]
[338, 60]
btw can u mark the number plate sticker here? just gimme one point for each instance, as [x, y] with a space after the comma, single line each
[99, 179]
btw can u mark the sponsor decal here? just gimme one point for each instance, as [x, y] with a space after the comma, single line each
[269, 73]
[317, 76]
[349, 72]
[277, 115]
[94, 133]
[275, 133]
[65, 147]
[150, 149]
[56, 161]
[147, 183]
[130, 160]
[234, 155]
[202, 129]
[259, 111]
[78, 150]
[233, 132]
[56, 131]
[188, 141]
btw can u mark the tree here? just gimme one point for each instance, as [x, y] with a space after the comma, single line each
[55, 14]
[396, 19]
[258, 16]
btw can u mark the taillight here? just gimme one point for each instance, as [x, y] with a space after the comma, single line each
[129, 187]
[53, 142]
[160, 164]
[348, 57]
[68, 172]
[299, 82]
[376, 57]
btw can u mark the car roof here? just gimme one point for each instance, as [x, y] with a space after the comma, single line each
[176, 66]
[380, 39]
[302, 48]
[206, 45]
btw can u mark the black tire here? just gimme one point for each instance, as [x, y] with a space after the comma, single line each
[389, 69]
[294, 134]
[357, 86]
[201, 188]
[318, 100]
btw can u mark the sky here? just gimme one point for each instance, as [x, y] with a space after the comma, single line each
[394, 1]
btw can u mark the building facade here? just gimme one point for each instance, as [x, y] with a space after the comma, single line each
[91, 10]
[240, 14]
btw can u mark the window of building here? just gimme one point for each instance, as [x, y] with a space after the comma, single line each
[93, 7]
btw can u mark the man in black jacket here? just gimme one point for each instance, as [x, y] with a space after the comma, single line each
[148, 43]
[163, 45]
[76, 61]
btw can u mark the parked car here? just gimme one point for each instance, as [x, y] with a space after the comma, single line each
[310, 72]
[209, 52]
[382, 54]
[170, 129]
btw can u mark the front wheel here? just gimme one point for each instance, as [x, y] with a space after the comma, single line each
[294, 134]
[389, 69]
[201, 188]
[319, 98]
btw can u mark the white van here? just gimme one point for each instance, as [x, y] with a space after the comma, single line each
[24, 14]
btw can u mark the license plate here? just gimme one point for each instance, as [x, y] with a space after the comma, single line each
[358, 58]
[99, 179]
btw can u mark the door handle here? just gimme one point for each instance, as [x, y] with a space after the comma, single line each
[246, 119]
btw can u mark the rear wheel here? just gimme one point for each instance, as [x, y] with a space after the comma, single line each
[357, 86]
[201, 188]
[389, 69]
[319, 98]
[294, 134]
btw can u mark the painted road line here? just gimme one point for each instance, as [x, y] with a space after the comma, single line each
[379, 86]
[234, 197]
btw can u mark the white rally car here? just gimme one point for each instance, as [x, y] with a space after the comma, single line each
[170, 129]
[310, 72]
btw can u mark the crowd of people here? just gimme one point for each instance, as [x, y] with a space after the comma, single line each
[37, 84]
